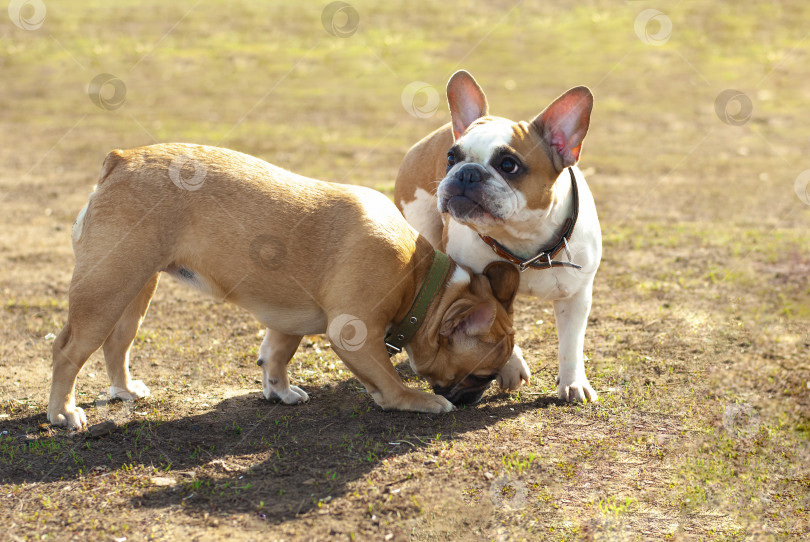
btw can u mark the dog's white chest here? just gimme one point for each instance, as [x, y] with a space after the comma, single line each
[584, 249]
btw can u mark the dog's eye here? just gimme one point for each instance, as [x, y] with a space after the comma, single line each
[451, 159]
[509, 165]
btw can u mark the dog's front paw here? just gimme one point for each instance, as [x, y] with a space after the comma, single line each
[289, 396]
[515, 372]
[419, 401]
[576, 389]
[135, 390]
[436, 404]
[73, 419]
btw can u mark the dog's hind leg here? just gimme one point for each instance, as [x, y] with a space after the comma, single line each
[118, 344]
[275, 353]
[69, 354]
[94, 307]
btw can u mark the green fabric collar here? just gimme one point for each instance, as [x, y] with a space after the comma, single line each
[402, 333]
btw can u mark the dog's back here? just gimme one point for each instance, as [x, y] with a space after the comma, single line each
[207, 194]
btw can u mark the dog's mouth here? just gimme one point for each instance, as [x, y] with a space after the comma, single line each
[466, 392]
[466, 209]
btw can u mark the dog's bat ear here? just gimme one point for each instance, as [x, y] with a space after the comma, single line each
[476, 320]
[467, 101]
[504, 279]
[564, 123]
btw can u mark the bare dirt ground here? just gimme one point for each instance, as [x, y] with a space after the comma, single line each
[697, 342]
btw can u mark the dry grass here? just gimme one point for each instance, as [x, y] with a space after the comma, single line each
[697, 342]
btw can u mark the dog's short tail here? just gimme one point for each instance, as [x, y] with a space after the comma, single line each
[113, 159]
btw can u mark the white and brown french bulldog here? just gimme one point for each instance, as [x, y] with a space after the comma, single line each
[303, 256]
[488, 189]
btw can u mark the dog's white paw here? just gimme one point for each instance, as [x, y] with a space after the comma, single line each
[290, 396]
[515, 372]
[438, 405]
[136, 390]
[415, 401]
[576, 390]
[73, 419]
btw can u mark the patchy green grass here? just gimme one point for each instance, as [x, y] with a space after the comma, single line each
[697, 341]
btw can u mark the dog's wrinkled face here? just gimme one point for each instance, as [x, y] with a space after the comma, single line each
[495, 171]
[471, 337]
[503, 172]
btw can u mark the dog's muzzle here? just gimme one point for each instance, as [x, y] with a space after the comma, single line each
[466, 392]
[465, 193]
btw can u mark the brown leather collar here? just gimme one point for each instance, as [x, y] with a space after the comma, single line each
[545, 258]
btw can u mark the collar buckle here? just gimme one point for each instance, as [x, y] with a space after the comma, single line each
[393, 349]
[544, 260]
[528, 263]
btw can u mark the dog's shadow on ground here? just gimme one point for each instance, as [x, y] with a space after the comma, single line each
[250, 455]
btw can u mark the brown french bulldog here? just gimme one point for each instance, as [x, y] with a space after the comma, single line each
[303, 256]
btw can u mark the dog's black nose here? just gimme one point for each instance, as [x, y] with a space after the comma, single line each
[471, 173]
[468, 397]
[467, 392]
